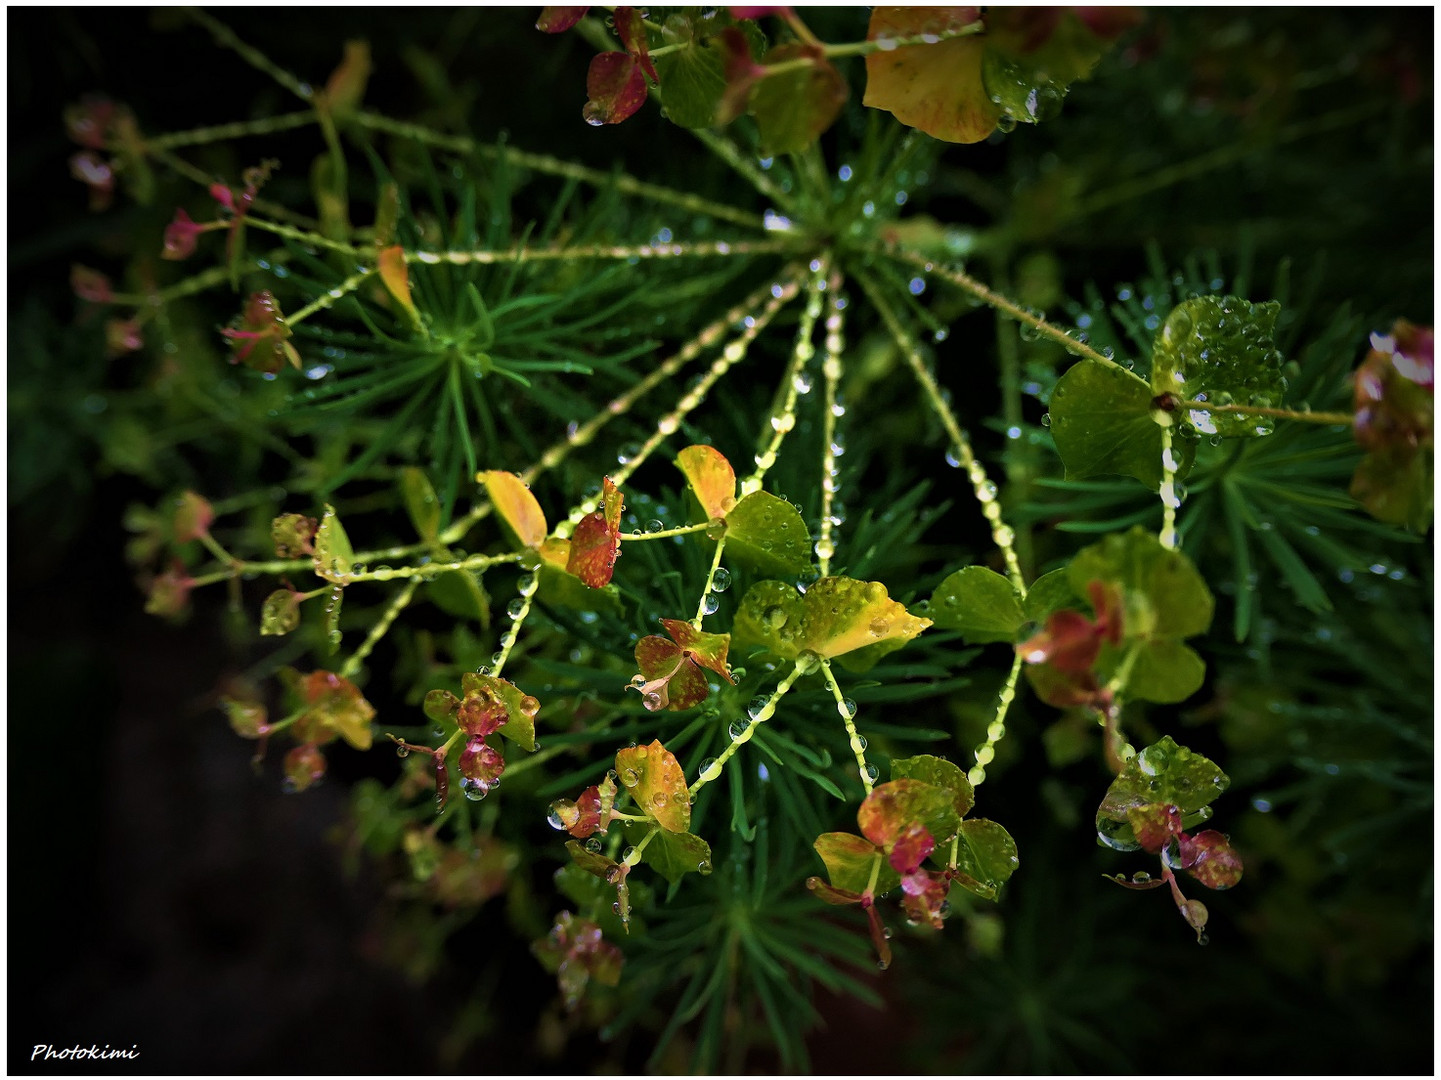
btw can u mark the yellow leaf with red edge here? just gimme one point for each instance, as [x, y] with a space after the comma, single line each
[937, 88]
[390, 263]
[835, 617]
[519, 512]
[346, 85]
[656, 782]
[711, 478]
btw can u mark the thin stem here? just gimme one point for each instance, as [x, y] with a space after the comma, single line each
[700, 612]
[528, 585]
[752, 173]
[986, 752]
[553, 166]
[832, 367]
[205, 279]
[733, 353]
[985, 491]
[1170, 501]
[327, 299]
[1019, 468]
[392, 573]
[634, 855]
[305, 236]
[847, 709]
[268, 125]
[619, 252]
[226, 38]
[1330, 418]
[962, 280]
[783, 422]
[882, 44]
[663, 534]
[379, 630]
[713, 770]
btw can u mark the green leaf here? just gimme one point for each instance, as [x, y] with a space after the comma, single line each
[793, 108]
[520, 707]
[461, 594]
[420, 503]
[940, 773]
[986, 855]
[835, 616]
[333, 554]
[692, 81]
[1166, 672]
[1220, 349]
[980, 603]
[1102, 421]
[671, 854]
[849, 860]
[1163, 593]
[767, 535]
[1165, 773]
[892, 807]
[563, 589]
[1048, 593]
[280, 613]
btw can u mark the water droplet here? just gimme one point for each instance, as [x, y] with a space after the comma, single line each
[739, 729]
[594, 114]
[872, 773]
[721, 580]
[703, 867]
[774, 617]
[402, 751]
[847, 709]
[629, 777]
[710, 769]
[593, 845]
[711, 604]
[1045, 420]
[515, 608]
[554, 818]
[654, 526]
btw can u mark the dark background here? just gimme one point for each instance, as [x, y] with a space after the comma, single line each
[164, 895]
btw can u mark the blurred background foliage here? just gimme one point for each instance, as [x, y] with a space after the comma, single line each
[161, 895]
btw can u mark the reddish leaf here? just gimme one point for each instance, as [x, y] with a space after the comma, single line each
[556, 20]
[336, 705]
[910, 848]
[480, 768]
[169, 593]
[181, 236]
[741, 74]
[480, 713]
[1210, 859]
[304, 766]
[880, 938]
[90, 285]
[1155, 824]
[890, 810]
[630, 28]
[96, 174]
[755, 12]
[576, 953]
[122, 336]
[596, 541]
[89, 123]
[589, 814]
[247, 718]
[1395, 420]
[925, 897]
[1109, 23]
[655, 780]
[794, 106]
[259, 337]
[615, 86]
[670, 669]
[849, 861]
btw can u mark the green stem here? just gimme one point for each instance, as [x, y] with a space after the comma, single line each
[239, 129]
[985, 491]
[379, 630]
[847, 711]
[389, 573]
[663, 534]
[226, 38]
[1306, 416]
[986, 752]
[832, 368]
[700, 612]
[528, 585]
[1021, 469]
[714, 769]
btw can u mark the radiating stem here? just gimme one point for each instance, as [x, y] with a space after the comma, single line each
[986, 753]
[962, 280]
[528, 585]
[831, 370]
[226, 38]
[847, 711]
[985, 490]
[239, 129]
[753, 174]
[553, 166]
[708, 249]
[713, 770]
[783, 422]
[379, 630]
[327, 299]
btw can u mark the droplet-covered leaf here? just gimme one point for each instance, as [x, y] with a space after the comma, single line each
[986, 857]
[335, 703]
[834, 617]
[1102, 421]
[293, 535]
[333, 554]
[520, 708]
[1034, 54]
[280, 613]
[980, 603]
[555, 20]
[671, 854]
[767, 535]
[792, 108]
[711, 478]
[654, 779]
[942, 774]
[1210, 859]
[519, 512]
[893, 807]
[1220, 349]
[849, 861]
[1164, 773]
